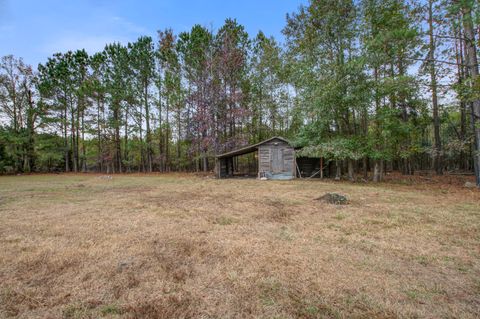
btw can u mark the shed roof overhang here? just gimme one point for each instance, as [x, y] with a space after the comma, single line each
[250, 148]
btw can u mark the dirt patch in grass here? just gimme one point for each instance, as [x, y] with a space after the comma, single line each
[184, 246]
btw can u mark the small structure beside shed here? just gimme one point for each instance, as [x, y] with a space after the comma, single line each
[276, 159]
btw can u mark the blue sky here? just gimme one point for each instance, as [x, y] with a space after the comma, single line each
[35, 29]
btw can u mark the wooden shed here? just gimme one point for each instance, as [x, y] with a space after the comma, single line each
[276, 159]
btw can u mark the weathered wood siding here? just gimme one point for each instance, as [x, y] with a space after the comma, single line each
[264, 159]
[276, 158]
[289, 160]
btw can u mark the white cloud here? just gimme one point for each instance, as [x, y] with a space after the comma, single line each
[110, 29]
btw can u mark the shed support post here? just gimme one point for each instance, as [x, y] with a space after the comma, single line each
[321, 167]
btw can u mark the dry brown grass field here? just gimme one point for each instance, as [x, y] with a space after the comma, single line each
[185, 246]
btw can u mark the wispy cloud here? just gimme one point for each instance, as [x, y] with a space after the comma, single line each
[73, 42]
[110, 29]
[127, 26]
[6, 28]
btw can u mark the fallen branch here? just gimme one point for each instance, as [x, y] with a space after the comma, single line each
[314, 174]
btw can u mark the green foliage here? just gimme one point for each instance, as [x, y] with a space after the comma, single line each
[7, 162]
[346, 85]
[338, 148]
[350, 111]
[50, 153]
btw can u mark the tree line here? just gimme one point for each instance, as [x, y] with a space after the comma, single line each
[367, 85]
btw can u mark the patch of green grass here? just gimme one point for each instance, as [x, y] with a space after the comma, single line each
[110, 310]
[267, 301]
[86, 310]
[425, 260]
[232, 275]
[424, 293]
[312, 309]
[470, 208]
[285, 234]
[270, 288]
[75, 311]
[412, 294]
[224, 220]
[476, 286]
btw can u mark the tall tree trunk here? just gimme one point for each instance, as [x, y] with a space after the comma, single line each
[461, 75]
[65, 137]
[364, 116]
[104, 134]
[118, 149]
[377, 172]
[125, 142]
[205, 161]
[179, 136]
[365, 167]
[77, 134]
[338, 170]
[99, 137]
[433, 86]
[472, 63]
[351, 173]
[141, 167]
[149, 136]
[84, 152]
[30, 147]
[167, 137]
[72, 137]
[403, 105]
[160, 130]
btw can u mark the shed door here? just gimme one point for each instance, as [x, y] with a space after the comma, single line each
[277, 160]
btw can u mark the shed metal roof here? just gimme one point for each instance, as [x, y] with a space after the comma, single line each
[251, 148]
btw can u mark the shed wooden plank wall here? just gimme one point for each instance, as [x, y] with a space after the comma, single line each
[264, 164]
[289, 160]
[276, 160]
[276, 157]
